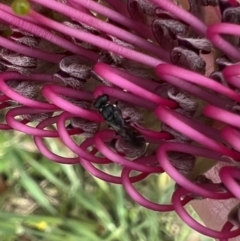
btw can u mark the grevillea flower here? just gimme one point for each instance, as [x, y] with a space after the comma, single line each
[171, 78]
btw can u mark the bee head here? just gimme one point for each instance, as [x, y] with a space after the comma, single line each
[101, 101]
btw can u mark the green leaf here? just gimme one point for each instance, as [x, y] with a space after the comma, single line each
[31, 186]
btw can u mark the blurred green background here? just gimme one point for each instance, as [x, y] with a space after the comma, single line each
[52, 202]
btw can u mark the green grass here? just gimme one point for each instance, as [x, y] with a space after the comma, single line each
[51, 202]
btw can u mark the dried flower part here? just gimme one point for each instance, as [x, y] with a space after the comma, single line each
[84, 28]
[223, 5]
[98, 78]
[111, 58]
[202, 46]
[196, 8]
[77, 102]
[188, 59]
[184, 112]
[139, 70]
[186, 101]
[2, 67]
[76, 66]
[234, 216]
[128, 149]
[81, 26]
[166, 31]
[26, 40]
[89, 127]
[218, 76]
[20, 31]
[223, 62]
[212, 3]
[162, 89]
[232, 15]
[69, 81]
[37, 117]
[177, 136]
[160, 13]
[18, 59]
[21, 70]
[182, 161]
[25, 88]
[141, 10]
[130, 113]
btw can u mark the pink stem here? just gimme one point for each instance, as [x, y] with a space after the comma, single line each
[124, 96]
[231, 74]
[52, 92]
[182, 213]
[34, 53]
[39, 142]
[163, 158]
[111, 74]
[197, 131]
[119, 6]
[137, 197]
[226, 228]
[98, 41]
[232, 136]
[103, 26]
[173, 73]
[67, 140]
[222, 115]
[183, 15]
[28, 129]
[19, 98]
[79, 7]
[105, 136]
[46, 34]
[213, 34]
[230, 177]
[140, 28]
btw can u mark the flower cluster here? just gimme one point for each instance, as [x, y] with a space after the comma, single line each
[149, 57]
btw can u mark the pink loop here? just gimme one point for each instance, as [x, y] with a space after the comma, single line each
[124, 96]
[102, 136]
[226, 228]
[45, 151]
[181, 179]
[197, 131]
[102, 175]
[137, 197]
[79, 150]
[19, 98]
[52, 92]
[117, 78]
[231, 74]
[28, 129]
[229, 175]
[182, 213]
[172, 73]
[213, 34]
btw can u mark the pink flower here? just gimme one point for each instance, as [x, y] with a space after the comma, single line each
[133, 60]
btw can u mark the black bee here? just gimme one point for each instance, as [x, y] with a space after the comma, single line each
[113, 117]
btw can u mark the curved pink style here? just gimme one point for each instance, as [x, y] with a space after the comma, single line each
[194, 224]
